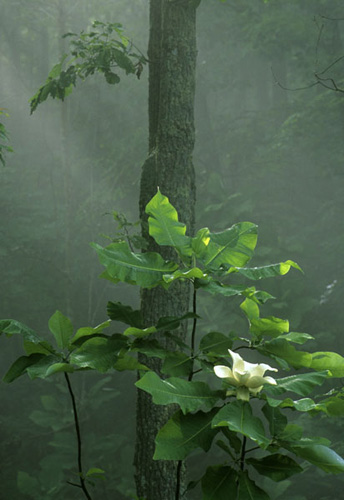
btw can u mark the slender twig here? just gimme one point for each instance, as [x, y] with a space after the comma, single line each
[78, 435]
[243, 452]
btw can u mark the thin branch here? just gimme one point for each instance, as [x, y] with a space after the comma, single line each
[78, 435]
[243, 452]
[330, 66]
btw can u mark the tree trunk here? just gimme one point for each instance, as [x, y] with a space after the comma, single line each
[172, 60]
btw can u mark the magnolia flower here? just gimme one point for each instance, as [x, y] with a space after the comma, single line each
[246, 377]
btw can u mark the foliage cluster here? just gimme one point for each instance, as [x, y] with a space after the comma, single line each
[208, 261]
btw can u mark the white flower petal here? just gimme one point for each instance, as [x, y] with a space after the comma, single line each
[222, 371]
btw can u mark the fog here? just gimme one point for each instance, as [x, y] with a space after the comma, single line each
[265, 152]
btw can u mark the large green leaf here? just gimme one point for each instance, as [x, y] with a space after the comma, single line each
[270, 326]
[99, 353]
[87, 331]
[143, 269]
[277, 467]
[183, 433]
[248, 490]
[238, 417]
[190, 396]
[164, 226]
[62, 329]
[177, 364]
[301, 384]
[232, 247]
[321, 456]
[277, 420]
[19, 367]
[219, 483]
[12, 327]
[328, 361]
[281, 348]
[125, 314]
[40, 369]
[257, 273]
[216, 343]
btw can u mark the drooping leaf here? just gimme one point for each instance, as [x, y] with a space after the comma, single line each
[183, 433]
[232, 247]
[321, 456]
[238, 417]
[219, 483]
[139, 332]
[277, 467]
[248, 490]
[164, 226]
[62, 329]
[328, 361]
[12, 327]
[216, 287]
[143, 269]
[19, 367]
[250, 308]
[120, 312]
[301, 384]
[39, 369]
[42, 348]
[257, 273]
[190, 396]
[281, 348]
[172, 322]
[59, 367]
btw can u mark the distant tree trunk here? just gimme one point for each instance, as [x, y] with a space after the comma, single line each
[172, 60]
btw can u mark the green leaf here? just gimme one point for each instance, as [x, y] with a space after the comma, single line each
[281, 348]
[177, 364]
[139, 332]
[62, 329]
[42, 348]
[181, 274]
[277, 421]
[301, 384]
[257, 273]
[297, 338]
[27, 484]
[321, 456]
[20, 366]
[216, 343]
[95, 472]
[164, 226]
[219, 483]
[328, 361]
[238, 417]
[168, 323]
[12, 327]
[250, 308]
[128, 363]
[269, 326]
[277, 467]
[183, 433]
[291, 432]
[232, 247]
[125, 314]
[216, 287]
[142, 269]
[39, 369]
[190, 396]
[100, 354]
[86, 331]
[248, 490]
[59, 367]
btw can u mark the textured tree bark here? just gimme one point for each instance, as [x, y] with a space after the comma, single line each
[172, 60]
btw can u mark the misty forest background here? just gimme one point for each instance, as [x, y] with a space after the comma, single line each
[263, 154]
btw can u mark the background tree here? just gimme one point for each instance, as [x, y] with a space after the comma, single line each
[172, 63]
